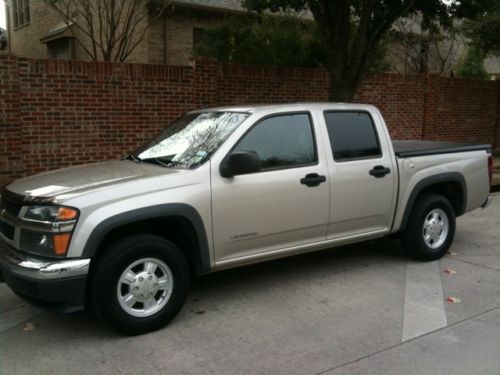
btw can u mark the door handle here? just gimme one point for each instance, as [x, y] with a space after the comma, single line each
[312, 179]
[379, 171]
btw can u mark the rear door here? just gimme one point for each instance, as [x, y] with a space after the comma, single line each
[361, 172]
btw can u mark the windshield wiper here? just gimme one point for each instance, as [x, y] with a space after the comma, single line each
[166, 164]
[133, 158]
[158, 161]
[173, 163]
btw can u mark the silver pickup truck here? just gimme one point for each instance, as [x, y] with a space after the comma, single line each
[226, 187]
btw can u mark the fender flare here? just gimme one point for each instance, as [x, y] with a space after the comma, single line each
[152, 212]
[434, 180]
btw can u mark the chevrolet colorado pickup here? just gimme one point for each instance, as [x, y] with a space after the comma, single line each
[226, 187]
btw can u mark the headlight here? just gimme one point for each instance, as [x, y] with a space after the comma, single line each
[51, 213]
[47, 229]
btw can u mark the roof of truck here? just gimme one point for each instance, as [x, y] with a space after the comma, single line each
[288, 107]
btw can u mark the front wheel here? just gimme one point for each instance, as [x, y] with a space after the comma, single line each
[139, 284]
[431, 228]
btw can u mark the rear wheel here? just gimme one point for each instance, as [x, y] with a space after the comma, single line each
[431, 228]
[139, 284]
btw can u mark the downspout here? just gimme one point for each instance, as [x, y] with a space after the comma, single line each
[165, 39]
[9, 30]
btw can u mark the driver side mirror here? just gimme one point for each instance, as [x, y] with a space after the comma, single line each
[240, 162]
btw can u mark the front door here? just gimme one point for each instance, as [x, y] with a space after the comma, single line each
[278, 207]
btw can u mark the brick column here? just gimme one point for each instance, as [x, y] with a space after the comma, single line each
[432, 83]
[205, 72]
[496, 136]
[11, 149]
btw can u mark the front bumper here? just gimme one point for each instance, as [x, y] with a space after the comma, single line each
[54, 284]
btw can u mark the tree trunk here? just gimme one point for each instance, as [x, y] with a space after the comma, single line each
[342, 90]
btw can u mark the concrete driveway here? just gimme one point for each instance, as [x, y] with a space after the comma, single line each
[353, 310]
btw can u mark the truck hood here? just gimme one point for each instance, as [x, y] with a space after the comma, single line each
[80, 179]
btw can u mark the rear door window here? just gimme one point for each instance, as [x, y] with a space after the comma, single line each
[352, 135]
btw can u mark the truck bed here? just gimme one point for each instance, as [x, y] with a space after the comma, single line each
[406, 149]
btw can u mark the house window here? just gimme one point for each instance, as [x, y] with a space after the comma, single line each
[198, 38]
[60, 49]
[21, 13]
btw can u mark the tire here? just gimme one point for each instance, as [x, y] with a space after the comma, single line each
[436, 213]
[150, 269]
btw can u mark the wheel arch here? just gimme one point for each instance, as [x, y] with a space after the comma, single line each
[179, 223]
[451, 185]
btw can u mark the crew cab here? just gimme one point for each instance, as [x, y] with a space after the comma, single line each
[225, 187]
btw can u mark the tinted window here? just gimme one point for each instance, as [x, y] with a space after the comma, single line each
[281, 141]
[352, 135]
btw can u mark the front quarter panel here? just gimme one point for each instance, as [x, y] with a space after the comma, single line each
[160, 196]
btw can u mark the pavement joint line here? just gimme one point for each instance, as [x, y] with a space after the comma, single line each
[12, 308]
[21, 323]
[403, 303]
[409, 341]
[474, 264]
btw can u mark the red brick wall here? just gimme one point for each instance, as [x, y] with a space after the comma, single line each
[240, 84]
[78, 112]
[462, 110]
[11, 152]
[401, 99]
[59, 113]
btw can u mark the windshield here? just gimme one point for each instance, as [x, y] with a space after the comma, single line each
[190, 140]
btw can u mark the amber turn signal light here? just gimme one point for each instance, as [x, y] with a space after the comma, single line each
[66, 213]
[61, 242]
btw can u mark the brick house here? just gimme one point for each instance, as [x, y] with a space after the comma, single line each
[492, 66]
[36, 31]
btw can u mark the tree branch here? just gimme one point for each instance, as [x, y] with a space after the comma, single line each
[114, 28]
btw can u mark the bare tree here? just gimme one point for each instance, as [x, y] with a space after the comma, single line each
[109, 30]
[417, 49]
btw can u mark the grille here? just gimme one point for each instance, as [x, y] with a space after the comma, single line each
[7, 230]
[10, 207]
[13, 208]
[12, 204]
